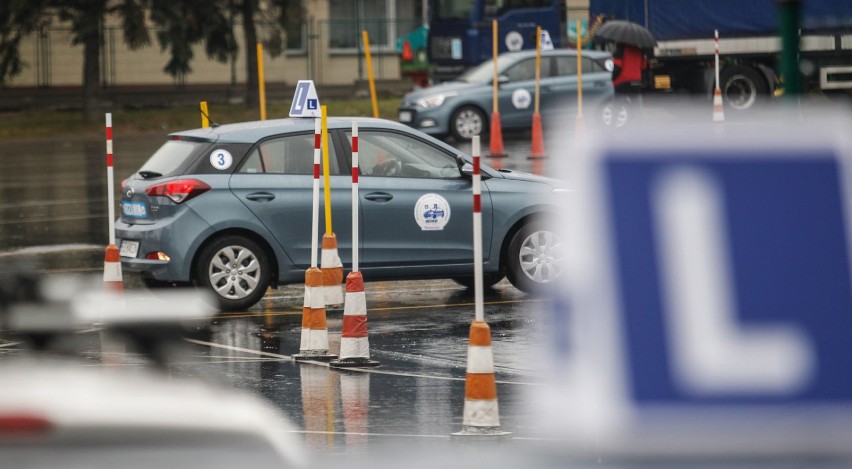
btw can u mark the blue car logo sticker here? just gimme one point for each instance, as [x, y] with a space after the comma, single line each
[221, 159]
[432, 212]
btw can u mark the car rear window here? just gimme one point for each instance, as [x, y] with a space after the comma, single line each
[173, 155]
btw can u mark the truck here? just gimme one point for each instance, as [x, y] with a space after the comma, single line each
[749, 45]
[460, 32]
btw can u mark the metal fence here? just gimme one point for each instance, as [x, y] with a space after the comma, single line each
[326, 51]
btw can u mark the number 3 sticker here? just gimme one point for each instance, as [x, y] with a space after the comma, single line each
[221, 159]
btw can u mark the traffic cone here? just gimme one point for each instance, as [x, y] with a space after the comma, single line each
[314, 340]
[112, 269]
[718, 111]
[481, 414]
[495, 147]
[332, 271]
[537, 138]
[354, 345]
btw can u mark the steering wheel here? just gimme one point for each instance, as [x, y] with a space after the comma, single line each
[388, 168]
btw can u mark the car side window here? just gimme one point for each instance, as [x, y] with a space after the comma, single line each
[293, 154]
[390, 154]
[566, 66]
[522, 71]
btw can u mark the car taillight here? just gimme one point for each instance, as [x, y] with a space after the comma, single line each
[179, 190]
[22, 424]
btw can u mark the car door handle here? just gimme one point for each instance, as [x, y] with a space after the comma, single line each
[260, 196]
[378, 196]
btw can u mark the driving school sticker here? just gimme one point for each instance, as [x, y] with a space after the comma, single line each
[221, 159]
[432, 212]
[521, 98]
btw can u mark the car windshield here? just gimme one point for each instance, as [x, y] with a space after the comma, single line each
[169, 157]
[484, 72]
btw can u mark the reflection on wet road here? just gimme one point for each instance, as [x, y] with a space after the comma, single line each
[417, 331]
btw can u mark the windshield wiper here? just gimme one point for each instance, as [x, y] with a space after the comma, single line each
[149, 174]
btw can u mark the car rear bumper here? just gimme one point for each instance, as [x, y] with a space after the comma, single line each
[179, 245]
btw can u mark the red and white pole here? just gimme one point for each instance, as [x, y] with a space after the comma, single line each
[314, 339]
[354, 343]
[110, 179]
[315, 206]
[481, 415]
[354, 197]
[718, 109]
[477, 234]
[716, 36]
[112, 257]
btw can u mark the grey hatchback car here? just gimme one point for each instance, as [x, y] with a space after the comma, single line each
[229, 208]
[462, 107]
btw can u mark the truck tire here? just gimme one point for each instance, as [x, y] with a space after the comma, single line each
[742, 87]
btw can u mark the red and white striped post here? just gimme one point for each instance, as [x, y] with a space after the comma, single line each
[314, 339]
[481, 415]
[718, 110]
[112, 257]
[354, 344]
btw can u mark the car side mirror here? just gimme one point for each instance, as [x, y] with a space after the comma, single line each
[502, 79]
[466, 169]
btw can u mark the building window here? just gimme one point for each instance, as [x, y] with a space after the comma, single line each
[384, 20]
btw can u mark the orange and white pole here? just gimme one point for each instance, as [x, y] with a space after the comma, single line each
[112, 258]
[331, 265]
[537, 150]
[354, 344]
[580, 125]
[481, 415]
[314, 339]
[496, 134]
[718, 110]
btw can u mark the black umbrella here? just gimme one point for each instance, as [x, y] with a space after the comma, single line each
[626, 32]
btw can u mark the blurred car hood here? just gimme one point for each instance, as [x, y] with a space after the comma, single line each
[446, 87]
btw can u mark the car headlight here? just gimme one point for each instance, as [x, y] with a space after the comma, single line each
[435, 100]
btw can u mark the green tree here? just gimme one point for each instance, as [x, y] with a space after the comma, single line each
[19, 18]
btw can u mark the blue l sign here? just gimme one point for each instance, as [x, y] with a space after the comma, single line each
[733, 276]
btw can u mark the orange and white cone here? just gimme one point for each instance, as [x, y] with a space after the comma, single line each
[481, 414]
[718, 110]
[354, 345]
[332, 271]
[537, 150]
[112, 269]
[314, 340]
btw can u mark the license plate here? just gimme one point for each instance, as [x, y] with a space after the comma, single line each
[134, 209]
[129, 248]
[405, 116]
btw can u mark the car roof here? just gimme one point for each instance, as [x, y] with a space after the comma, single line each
[251, 132]
[592, 54]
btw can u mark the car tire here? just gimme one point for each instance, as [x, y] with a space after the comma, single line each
[535, 257]
[467, 122]
[488, 280]
[236, 269]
